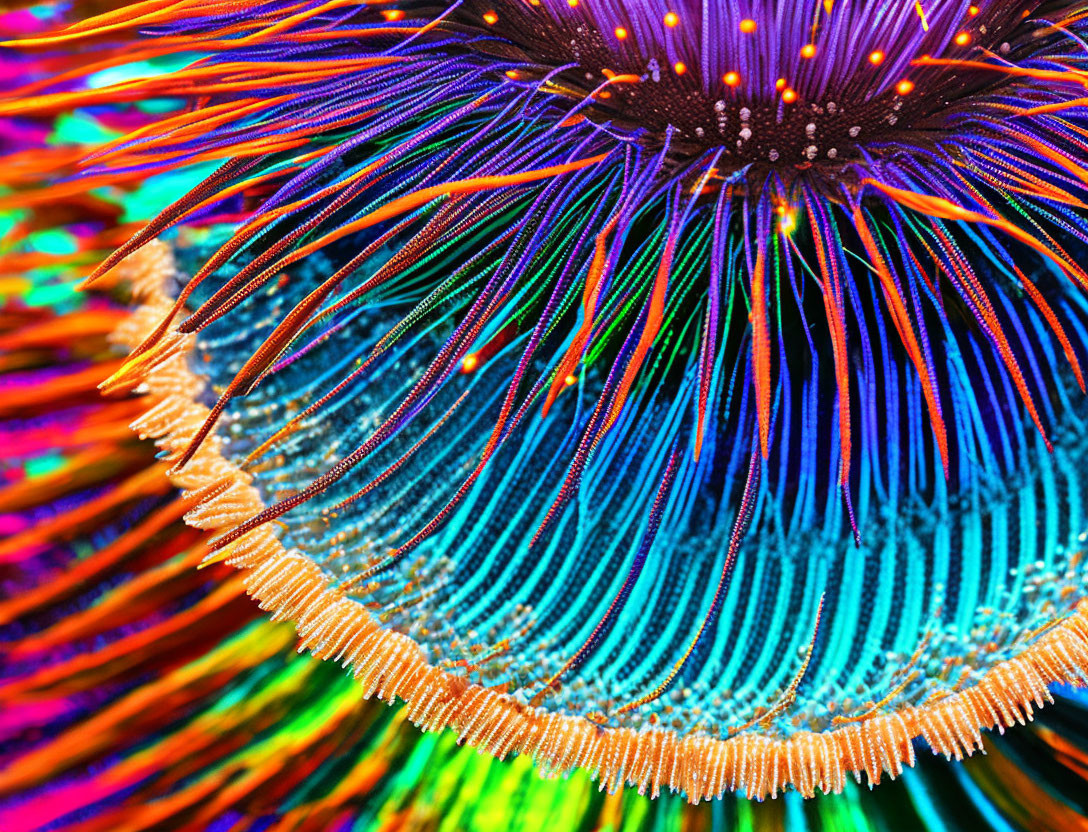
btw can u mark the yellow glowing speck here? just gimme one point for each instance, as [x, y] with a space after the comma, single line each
[876, 58]
[679, 68]
[621, 33]
[808, 50]
[470, 362]
[490, 18]
[747, 25]
[962, 39]
[789, 96]
[731, 79]
[905, 87]
[393, 15]
[921, 14]
[672, 20]
[570, 380]
[787, 218]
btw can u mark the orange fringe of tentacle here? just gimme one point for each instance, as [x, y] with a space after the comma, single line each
[391, 666]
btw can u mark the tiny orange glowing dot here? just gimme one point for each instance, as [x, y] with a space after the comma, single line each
[604, 94]
[621, 33]
[572, 3]
[679, 68]
[491, 18]
[512, 74]
[570, 380]
[608, 73]
[789, 96]
[962, 39]
[808, 50]
[393, 15]
[672, 20]
[972, 10]
[747, 25]
[731, 79]
[780, 84]
[876, 58]
[470, 362]
[905, 87]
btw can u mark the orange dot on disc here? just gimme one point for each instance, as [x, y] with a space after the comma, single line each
[731, 79]
[747, 25]
[962, 39]
[780, 84]
[491, 18]
[789, 96]
[393, 15]
[672, 20]
[572, 3]
[679, 68]
[808, 50]
[621, 33]
[972, 10]
[876, 58]
[905, 87]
